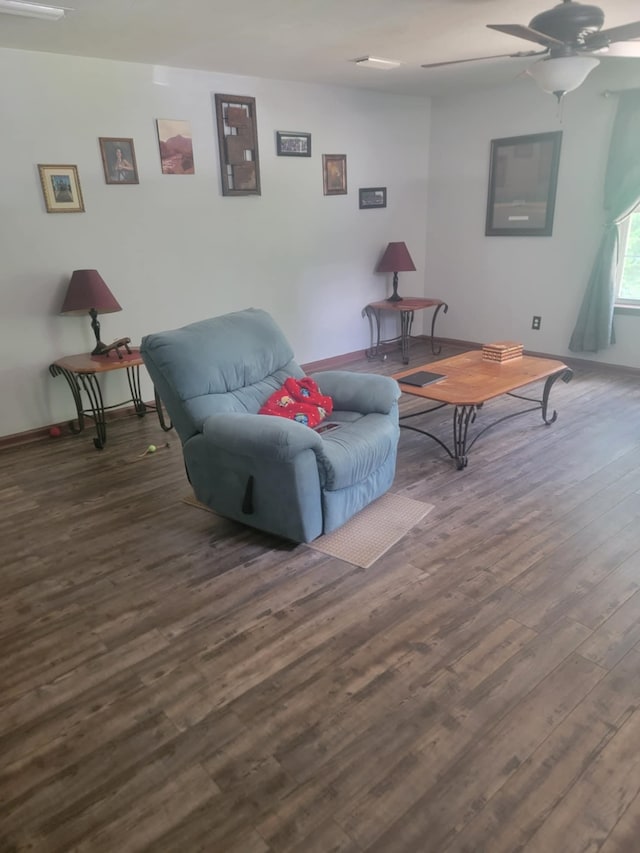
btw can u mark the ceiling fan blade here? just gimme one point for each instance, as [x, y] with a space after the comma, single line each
[520, 55]
[625, 32]
[526, 33]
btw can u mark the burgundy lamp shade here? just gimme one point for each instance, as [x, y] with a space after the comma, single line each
[88, 291]
[396, 259]
[88, 294]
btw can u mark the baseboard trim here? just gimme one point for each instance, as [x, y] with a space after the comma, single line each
[31, 435]
[335, 362]
[572, 361]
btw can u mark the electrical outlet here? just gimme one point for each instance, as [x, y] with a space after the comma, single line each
[536, 322]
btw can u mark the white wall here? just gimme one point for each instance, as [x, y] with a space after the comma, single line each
[173, 249]
[494, 285]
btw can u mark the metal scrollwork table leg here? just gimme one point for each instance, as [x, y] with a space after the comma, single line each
[406, 308]
[85, 381]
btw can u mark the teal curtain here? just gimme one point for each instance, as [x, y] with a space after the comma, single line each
[594, 326]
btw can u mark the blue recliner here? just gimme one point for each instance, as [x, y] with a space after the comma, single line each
[269, 472]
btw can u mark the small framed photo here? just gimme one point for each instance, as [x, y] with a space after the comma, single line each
[118, 160]
[369, 197]
[61, 189]
[334, 174]
[289, 143]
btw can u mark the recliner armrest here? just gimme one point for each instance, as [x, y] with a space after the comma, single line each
[267, 436]
[358, 392]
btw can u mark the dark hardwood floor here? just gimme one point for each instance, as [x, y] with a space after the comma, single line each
[173, 681]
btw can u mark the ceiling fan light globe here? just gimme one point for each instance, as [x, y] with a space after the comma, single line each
[562, 74]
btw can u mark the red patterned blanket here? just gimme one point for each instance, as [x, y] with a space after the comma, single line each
[300, 400]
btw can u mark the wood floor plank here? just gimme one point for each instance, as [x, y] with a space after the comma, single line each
[600, 796]
[616, 636]
[138, 821]
[520, 808]
[329, 839]
[63, 799]
[64, 688]
[546, 598]
[626, 832]
[449, 770]
[607, 596]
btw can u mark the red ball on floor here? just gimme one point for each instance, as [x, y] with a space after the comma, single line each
[55, 432]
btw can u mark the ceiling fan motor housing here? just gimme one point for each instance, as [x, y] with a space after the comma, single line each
[569, 22]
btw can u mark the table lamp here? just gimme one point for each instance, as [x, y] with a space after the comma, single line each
[88, 293]
[396, 259]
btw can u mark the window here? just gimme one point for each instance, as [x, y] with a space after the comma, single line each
[629, 267]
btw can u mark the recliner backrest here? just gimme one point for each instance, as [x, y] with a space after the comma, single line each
[230, 363]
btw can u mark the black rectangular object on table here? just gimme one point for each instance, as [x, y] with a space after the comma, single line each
[421, 378]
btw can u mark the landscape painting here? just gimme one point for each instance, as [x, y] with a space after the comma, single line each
[176, 147]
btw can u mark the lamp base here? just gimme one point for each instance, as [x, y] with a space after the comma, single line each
[394, 296]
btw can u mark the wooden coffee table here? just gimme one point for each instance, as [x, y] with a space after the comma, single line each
[470, 382]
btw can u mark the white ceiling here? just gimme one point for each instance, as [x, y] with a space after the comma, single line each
[304, 40]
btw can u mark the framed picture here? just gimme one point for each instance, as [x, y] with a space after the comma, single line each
[61, 189]
[369, 197]
[176, 146]
[118, 160]
[334, 174]
[523, 175]
[238, 144]
[292, 144]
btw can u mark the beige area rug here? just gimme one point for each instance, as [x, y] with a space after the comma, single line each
[370, 533]
[375, 529]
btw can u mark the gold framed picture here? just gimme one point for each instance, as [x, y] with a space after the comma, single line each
[334, 174]
[61, 188]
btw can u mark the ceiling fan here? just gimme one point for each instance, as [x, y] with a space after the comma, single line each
[569, 33]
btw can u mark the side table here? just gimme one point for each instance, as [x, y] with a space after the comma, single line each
[82, 371]
[406, 308]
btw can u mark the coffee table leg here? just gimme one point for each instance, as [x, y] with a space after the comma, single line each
[566, 376]
[462, 417]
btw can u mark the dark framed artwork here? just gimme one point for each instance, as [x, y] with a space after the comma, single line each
[176, 146]
[523, 174]
[293, 144]
[118, 160]
[238, 144]
[61, 189]
[372, 197]
[334, 174]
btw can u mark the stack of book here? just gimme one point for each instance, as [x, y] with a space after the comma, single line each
[501, 351]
